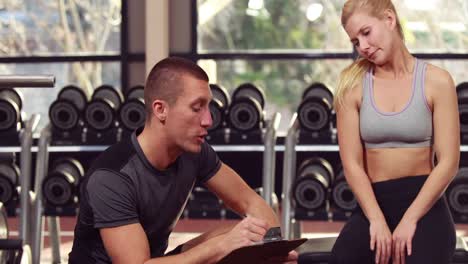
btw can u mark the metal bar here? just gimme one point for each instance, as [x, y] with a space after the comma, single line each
[112, 56]
[12, 81]
[54, 230]
[124, 46]
[25, 179]
[194, 26]
[289, 173]
[42, 163]
[269, 161]
[241, 148]
[260, 55]
[293, 55]
[230, 148]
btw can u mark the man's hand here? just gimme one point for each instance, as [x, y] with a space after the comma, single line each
[245, 233]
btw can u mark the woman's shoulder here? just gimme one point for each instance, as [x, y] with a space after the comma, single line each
[438, 77]
[350, 98]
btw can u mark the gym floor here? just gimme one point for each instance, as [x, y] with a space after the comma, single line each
[185, 230]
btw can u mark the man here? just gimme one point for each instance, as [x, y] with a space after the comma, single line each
[136, 190]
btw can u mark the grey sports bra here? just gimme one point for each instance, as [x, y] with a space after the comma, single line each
[411, 127]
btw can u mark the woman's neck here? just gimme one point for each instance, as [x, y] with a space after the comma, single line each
[400, 65]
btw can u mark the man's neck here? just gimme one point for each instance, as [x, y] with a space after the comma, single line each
[156, 147]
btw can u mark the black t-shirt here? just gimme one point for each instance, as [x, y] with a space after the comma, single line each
[122, 188]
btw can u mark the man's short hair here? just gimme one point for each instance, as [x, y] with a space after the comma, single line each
[164, 81]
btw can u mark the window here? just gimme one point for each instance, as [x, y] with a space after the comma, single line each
[51, 28]
[283, 46]
[255, 25]
[435, 26]
[280, 46]
[79, 42]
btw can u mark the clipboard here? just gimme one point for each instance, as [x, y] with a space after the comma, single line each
[259, 253]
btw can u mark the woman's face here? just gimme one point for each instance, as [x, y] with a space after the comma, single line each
[372, 37]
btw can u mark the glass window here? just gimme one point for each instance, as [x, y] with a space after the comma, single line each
[435, 26]
[240, 25]
[86, 75]
[282, 80]
[51, 28]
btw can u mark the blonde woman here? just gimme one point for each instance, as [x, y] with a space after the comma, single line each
[394, 112]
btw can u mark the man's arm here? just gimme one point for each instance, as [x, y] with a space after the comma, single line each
[128, 244]
[238, 196]
[228, 186]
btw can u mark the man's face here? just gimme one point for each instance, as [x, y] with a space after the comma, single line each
[189, 118]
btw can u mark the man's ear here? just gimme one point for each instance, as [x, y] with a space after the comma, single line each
[390, 18]
[160, 109]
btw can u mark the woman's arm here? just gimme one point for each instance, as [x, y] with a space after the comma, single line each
[446, 123]
[352, 157]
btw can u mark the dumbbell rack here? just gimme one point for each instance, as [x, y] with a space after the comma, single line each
[27, 196]
[43, 149]
[27, 199]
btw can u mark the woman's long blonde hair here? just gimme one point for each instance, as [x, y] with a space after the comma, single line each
[352, 75]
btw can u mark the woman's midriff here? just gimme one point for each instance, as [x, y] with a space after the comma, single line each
[392, 163]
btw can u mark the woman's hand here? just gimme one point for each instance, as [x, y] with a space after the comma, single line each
[380, 241]
[402, 239]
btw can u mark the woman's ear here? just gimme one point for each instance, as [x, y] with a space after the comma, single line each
[390, 19]
[160, 110]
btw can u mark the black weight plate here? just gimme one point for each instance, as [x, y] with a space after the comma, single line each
[250, 90]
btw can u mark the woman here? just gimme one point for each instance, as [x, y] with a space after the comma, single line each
[393, 113]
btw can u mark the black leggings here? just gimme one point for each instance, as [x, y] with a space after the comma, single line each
[433, 242]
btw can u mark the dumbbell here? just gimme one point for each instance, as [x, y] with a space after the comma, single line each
[132, 113]
[462, 94]
[342, 196]
[137, 91]
[246, 110]
[60, 186]
[218, 106]
[315, 110]
[310, 188]
[101, 112]
[457, 192]
[462, 90]
[204, 204]
[9, 175]
[463, 114]
[11, 103]
[65, 113]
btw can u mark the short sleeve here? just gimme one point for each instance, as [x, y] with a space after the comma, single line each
[209, 163]
[112, 199]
